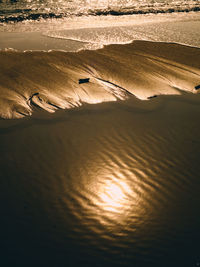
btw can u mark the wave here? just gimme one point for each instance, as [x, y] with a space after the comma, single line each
[37, 80]
[19, 15]
[31, 16]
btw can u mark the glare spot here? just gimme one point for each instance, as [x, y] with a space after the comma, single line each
[114, 196]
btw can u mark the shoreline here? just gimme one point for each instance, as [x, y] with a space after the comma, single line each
[133, 105]
[92, 33]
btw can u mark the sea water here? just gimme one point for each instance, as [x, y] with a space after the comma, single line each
[19, 10]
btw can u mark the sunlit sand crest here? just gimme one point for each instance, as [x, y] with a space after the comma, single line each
[117, 73]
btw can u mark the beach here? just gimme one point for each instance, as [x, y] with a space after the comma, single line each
[100, 141]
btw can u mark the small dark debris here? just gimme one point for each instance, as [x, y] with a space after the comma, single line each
[197, 87]
[152, 96]
[84, 80]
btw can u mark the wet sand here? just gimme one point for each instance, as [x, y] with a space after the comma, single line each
[50, 80]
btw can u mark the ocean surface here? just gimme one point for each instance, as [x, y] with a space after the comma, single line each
[19, 10]
[99, 133]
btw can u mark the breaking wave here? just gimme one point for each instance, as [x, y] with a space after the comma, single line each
[33, 11]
